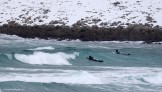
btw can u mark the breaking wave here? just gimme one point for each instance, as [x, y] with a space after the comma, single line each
[43, 48]
[70, 77]
[110, 75]
[41, 58]
[154, 79]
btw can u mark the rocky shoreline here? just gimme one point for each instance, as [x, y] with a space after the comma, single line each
[134, 32]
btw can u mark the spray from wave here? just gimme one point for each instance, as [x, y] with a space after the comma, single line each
[154, 79]
[41, 58]
[43, 48]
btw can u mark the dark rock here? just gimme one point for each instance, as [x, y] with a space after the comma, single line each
[134, 32]
[127, 23]
[149, 18]
[40, 20]
[54, 22]
[116, 3]
[96, 20]
[45, 11]
[103, 24]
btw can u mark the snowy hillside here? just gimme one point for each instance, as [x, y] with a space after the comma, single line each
[90, 12]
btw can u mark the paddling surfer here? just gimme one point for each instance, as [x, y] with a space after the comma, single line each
[117, 52]
[92, 59]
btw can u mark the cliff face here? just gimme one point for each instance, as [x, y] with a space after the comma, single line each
[103, 13]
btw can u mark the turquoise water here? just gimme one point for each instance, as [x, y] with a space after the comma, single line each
[35, 65]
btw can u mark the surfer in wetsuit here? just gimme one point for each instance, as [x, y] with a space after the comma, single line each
[92, 59]
[117, 52]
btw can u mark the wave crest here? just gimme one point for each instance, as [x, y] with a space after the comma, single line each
[41, 58]
[43, 48]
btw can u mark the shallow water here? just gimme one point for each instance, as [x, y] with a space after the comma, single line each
[35, 65]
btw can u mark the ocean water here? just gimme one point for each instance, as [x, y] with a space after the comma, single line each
[35, 65]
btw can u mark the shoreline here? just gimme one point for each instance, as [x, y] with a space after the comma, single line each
[133, 32]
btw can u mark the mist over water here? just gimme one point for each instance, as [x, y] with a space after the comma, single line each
[36, 65]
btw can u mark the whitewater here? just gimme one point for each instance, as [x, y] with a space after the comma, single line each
[36, 65]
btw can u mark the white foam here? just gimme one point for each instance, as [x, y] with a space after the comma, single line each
[12, 41]
[70, 77]
[43, 48]
[110, 75]
[41, 58]
[100, 47]
[154, 79]
[133, 42]
[129, 75]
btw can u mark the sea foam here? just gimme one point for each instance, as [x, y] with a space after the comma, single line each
[43, 48]
[68, 77]
[154, 79]
[41, 58]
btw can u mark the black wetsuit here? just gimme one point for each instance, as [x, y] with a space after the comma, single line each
[117, 52]
[92, 59]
